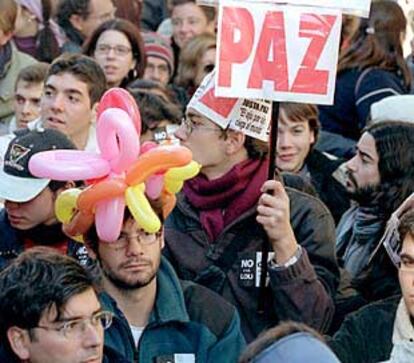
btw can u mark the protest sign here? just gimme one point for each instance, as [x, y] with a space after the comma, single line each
[252, 117]
[277, 52]
[353, 7]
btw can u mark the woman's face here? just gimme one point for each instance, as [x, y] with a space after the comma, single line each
[205, 65]
[113, 52]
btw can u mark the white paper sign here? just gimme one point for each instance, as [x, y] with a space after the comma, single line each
[283, 53]
[252, 117]
[353, 7]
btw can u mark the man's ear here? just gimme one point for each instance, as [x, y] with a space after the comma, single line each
[234, 141]
[19, 342]
[77, 22]
[94, 112]
[7, 36]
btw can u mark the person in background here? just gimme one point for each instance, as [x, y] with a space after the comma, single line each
[79, 19]
[197, 59]
[289, 342]
[153, 13]
[28, 218]
[27, 95]
[11, 62]
[36, 32]
[73, 87]
[384, 331]
[160, 118]
[372, 67]
[129, 10]
[298, 131]
[188, 20]
[117, 46]
[50, 313]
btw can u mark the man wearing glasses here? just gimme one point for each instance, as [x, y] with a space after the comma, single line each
[384, 331]
[50, 313]
[157, 317]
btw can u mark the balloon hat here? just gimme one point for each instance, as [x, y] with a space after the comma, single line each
[123, 173]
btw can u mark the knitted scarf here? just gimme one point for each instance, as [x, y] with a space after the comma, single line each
[221, 201]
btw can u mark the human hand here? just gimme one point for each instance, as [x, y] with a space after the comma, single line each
[273, 213]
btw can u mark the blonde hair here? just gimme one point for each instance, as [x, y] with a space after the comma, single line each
[8, 14]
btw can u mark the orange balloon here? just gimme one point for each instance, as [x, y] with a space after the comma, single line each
[107, 189]
[168, 203]
[79, 225]
[156, 160]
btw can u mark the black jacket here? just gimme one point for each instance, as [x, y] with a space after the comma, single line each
[366, 335]
[329, 190]
[230, 265]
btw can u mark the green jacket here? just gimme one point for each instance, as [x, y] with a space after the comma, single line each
[18, 61]
[366, 335]
[187, 319]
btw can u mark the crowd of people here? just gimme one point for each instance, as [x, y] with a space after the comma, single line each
[337, 218]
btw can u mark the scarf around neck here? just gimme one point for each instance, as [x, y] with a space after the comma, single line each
[222, 200]
[358, 233]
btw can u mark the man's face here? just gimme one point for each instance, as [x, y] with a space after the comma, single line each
[99, 12]
[27, 215]
[66, 105]
[294, 141]
[406, 272]
[205, 140]
[188, 20]
[51, 346]
[362, 169]
[157, 70]
[27, 102]
[132, 261]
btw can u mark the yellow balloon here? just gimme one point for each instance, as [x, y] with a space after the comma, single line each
[175, 177]
[65, 207]
[141, 209]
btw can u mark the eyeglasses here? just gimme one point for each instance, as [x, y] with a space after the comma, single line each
[119, 50]
[190, 126]
[74, 328]
[144, 238]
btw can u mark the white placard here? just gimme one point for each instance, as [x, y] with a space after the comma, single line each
[353, 7]
[278, 52]
[252, 117]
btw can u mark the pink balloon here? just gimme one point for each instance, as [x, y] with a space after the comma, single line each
[154, 185]
[117, 139]
[66, 165]
[120, 98]
[147, 146]
[109, 217]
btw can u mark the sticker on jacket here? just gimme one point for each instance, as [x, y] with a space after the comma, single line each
[250, 267]
[176, 358]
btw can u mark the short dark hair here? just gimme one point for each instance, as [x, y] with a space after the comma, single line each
[209, 11]
[35, 73]
[91, 237]
[298, 112]
[406, 225]
[133, 34]
[38, 280]
[85, 69]
[270, 336]
[67, 8]
[154, 109]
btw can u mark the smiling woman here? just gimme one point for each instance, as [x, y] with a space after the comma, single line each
[118, 48]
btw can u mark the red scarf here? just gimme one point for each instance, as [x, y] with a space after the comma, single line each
[221, 201]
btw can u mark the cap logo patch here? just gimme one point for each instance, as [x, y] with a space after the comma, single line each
[17, 153]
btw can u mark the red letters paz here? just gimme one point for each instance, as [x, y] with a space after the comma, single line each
[273, 39]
